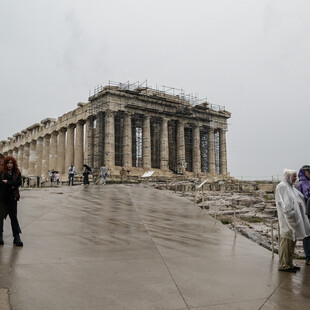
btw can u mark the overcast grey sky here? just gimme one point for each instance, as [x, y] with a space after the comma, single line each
[250, 56]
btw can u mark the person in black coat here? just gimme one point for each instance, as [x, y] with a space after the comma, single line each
[10, 180]
[86, 173]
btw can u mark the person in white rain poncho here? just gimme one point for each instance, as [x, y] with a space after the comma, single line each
[104, 174]
[293, 222]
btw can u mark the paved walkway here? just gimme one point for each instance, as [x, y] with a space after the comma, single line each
[135, 248]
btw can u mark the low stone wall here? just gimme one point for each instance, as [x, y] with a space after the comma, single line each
[222, 185]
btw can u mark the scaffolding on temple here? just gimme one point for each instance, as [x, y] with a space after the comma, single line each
[177, 94]
[217, 151]
[204, 147]
[175, 164]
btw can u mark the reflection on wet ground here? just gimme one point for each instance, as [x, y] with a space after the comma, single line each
[134, 247]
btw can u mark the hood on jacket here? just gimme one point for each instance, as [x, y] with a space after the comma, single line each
[288, 175]
[301, 175]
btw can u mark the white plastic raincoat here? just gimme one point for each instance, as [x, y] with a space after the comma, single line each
[293, 221]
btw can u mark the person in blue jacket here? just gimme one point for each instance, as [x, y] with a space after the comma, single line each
[304, 187]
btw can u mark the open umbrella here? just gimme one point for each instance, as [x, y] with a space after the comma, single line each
[87, 167]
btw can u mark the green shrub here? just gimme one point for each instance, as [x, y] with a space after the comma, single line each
[253, 219]
[225, 220]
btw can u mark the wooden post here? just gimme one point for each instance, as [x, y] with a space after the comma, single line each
[272, 247]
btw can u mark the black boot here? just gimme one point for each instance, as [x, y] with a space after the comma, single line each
[17, 241]
[1, 240]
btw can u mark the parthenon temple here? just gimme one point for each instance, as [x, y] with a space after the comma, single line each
[131, 129]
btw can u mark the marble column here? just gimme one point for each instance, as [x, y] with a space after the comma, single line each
[164, 149]
[20, 151]
[32, 157]
[25, 164]
[52, 165]
[61, 151]
[99, 140]
[39, 151]
[45, 156]
[181, 146]
[109, 145]
[196, 150]
[127, 142]
[146, 143]
[211, 152]
[15, 153]
[79, 149]
[70, 146]
[223, 152]
[89, 145]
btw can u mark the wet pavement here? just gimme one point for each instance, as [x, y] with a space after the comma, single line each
[136, 248]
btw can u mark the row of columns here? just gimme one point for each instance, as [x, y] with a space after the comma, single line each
[52, 152]
[109, 147]
[61, 148]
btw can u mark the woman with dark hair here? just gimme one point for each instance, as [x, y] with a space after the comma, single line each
[10, 177]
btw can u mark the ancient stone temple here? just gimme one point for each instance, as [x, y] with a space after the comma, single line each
[131, 129]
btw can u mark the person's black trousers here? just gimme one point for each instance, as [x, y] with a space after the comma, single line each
[12, 208]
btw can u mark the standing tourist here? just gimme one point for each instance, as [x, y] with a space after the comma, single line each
[71, 174]
[293, 222]
[51, 175]
[57, 176]
[10, 181]
[2, 206]
[86, 173]
[104, 174]
[304, 187]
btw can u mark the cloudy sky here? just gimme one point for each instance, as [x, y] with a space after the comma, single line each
[250, 56]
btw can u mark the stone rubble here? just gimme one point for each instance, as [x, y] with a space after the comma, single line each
[252, 213]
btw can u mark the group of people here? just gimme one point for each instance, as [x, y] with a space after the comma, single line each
[10, 181]
[54, 177]
[103, 174]
[86, 172]
[293, 207]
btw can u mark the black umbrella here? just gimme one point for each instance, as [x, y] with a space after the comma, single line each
[87, 167]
